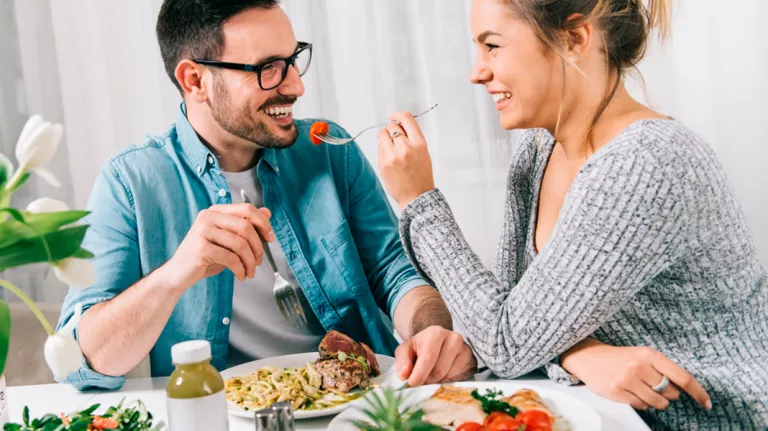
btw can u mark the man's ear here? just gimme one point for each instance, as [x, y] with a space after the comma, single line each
[189, 75]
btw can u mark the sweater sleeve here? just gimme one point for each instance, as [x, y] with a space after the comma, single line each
[620, 226]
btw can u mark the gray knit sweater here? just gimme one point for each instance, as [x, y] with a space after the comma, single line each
[651, 248]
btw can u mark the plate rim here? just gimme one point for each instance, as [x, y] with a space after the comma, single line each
[233, 410]
[336, 421]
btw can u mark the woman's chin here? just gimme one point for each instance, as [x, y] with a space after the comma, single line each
[510, 121]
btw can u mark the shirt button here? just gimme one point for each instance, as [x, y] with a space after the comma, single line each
[277, 170]
[225, 320]
[210, 159]
[222, 192]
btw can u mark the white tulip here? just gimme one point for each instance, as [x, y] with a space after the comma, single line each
[46, 205]
[77, 273]
[62, 352]
[36, 146]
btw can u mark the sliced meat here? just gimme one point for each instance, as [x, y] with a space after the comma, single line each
[342, 376]
[528, 399]
[335, 342]
[372, 361]
[452, 405]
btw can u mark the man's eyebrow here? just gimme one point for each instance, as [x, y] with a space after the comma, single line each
[273, 57]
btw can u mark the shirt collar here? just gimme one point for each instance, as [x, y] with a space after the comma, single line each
[199, 155]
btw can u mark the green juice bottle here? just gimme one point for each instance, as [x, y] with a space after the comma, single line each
[195, 392]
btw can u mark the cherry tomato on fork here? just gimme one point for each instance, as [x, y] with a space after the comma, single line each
[318, 128]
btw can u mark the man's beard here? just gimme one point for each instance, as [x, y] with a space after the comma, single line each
[239, 122]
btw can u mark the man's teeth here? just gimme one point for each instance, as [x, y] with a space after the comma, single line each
[498, 97]
[279, 111]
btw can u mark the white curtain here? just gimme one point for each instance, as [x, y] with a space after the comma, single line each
[95, 65]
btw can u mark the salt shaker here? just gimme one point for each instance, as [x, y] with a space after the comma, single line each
[266, 420]
[284, 416]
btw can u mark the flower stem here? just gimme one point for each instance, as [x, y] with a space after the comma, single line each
[16, 178]
[30, 303]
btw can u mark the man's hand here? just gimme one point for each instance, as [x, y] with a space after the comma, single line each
[434, 355]
[223, 236]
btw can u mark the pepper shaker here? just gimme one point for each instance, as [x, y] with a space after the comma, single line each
[266, 420]
[284, 416]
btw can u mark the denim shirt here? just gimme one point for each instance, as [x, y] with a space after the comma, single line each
[330, 215]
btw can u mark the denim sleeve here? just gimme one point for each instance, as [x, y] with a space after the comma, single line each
[112, 238]
[374, 228]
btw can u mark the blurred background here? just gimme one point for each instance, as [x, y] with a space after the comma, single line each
[95, 66]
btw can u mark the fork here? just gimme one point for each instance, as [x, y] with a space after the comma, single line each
[333, 140]
[290, 299]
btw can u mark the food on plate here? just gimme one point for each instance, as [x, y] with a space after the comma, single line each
[123, 417]
[343, 366]
[466, 408]
[451, 405]
[317, 128]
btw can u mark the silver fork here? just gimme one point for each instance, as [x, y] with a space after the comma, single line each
[333, 140]
[290, 299]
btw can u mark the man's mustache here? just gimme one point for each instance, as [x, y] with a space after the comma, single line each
[279, 100]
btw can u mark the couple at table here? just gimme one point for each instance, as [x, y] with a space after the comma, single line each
[625, 261]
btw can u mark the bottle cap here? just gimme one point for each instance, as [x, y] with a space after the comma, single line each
[190, 352]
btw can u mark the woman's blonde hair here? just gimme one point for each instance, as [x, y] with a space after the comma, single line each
[626, 26]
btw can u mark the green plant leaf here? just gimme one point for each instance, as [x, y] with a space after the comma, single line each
[24, 178]
[25, 416]
[5, 333]
[62, 244]
[83, 254]
[32, 225]
[6, 169]
[14, 213]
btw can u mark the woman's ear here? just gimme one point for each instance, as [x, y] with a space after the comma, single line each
[578, 37]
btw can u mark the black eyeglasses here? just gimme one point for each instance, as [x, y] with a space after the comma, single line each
[273, 72]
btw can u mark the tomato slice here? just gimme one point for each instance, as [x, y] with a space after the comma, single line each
[318, 128]
[495, 417]
[508, 424]
[535, 419]
[470, 426]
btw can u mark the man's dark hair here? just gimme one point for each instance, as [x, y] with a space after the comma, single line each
[192, 28]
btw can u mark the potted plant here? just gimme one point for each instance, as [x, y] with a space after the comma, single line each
[46, 231]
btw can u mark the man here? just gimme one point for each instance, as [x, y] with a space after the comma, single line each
[179, 256]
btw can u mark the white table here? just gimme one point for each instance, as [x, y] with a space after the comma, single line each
[44, 399]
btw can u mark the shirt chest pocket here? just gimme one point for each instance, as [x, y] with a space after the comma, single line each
[344, 257]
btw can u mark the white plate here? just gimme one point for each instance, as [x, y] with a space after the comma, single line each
[578, 415]
[387, 378]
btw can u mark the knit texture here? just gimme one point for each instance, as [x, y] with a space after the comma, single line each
[651, 248]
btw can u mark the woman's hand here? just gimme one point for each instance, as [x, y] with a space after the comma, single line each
[404, 162]
[628, 374]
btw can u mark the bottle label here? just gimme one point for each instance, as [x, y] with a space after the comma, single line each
[198, 414]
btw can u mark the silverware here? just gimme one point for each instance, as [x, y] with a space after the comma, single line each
[290, 299]
[333, 140]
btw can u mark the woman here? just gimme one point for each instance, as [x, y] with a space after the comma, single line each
[620, 226]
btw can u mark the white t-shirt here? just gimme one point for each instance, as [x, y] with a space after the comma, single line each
[258, 329]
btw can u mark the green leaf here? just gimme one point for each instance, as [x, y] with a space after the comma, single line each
[12, 427]
[62, 244]
[25, 416]
[16, 214]
[90, 410]
[5, 333]
[6, 169]
[33, 225]
[83, 254]
[24, 178]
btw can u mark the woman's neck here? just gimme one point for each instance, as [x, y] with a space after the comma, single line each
[573, 133]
